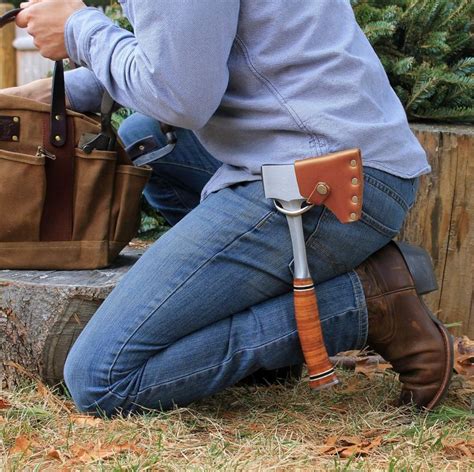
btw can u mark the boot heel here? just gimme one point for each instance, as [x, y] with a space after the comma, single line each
[420, 266]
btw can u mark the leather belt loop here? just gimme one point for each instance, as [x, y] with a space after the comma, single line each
[57, 219]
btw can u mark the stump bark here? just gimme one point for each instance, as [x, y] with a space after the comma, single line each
[43, 312]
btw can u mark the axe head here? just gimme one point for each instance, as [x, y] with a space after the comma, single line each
[280, 183]
[333, 180]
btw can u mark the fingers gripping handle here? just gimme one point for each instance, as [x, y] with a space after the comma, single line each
[321, 371]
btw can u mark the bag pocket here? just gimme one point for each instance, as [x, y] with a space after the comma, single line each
[93, 188]
[125, 215]
[22, 195]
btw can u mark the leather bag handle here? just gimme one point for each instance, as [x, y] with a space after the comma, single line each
[58, 119]
[8, 17]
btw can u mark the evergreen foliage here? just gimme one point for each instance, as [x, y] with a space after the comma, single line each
[426, 47]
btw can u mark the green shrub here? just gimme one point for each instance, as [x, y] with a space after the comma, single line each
[426, 47]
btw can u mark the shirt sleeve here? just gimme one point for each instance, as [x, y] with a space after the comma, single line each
[83, 90]
[173, 68]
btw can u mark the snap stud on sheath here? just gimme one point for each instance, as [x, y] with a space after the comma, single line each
[57, 138]
[355, 181]
[353, 163]
[15, 138]
[353, 216]
[355, 199]
[16, 119]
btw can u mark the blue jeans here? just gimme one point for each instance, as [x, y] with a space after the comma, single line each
[211, 301]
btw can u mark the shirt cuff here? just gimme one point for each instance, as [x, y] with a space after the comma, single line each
[79, 29]
[83, 90]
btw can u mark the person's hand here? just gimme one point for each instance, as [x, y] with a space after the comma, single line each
[45, 20]
[39, 90]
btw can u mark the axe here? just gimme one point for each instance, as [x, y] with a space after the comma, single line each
[336, 181]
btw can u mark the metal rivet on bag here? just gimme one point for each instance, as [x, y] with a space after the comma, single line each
[58, 117]
[353, 163]
[355, 181]
[355, 199]
[57, 138]
[16, 119]
[353, 216]
[322, 189]
[14, 138]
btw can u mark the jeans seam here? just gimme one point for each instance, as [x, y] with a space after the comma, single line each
[173, 292]
[207, 155]
[172, 187]
[377, 226]
[361, 308]
[186, 166]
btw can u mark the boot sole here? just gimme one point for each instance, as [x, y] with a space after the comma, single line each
[420, 266]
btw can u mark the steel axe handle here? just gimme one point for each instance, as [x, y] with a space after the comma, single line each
[321, 371]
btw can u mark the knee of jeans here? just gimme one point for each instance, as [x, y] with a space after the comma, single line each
[86, 388]
[138, 126]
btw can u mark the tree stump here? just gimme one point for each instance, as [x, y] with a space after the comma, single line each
[43, 312]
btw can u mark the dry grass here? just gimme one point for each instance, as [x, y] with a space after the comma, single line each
[246, 428]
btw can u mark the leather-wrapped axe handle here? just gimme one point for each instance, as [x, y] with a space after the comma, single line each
[335, 181]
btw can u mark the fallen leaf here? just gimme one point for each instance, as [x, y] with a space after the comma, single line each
[4, 404]
[55, 454]
[356, 353]
[256, 427]
[347, 446]
[42, 389]
[369, 369]
[85, 420]
[464, 356]
[353, 385]
[92, 453]
[22, 444]
[459, 448]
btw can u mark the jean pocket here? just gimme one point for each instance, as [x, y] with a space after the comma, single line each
[387, 199]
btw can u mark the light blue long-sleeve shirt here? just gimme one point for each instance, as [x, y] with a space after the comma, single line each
[258, 81]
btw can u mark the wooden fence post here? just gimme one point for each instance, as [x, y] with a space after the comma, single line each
[442, 221]
[7, 52]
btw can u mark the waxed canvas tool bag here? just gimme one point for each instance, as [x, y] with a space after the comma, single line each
[69, 196]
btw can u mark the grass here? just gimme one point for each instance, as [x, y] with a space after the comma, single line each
[351, 427]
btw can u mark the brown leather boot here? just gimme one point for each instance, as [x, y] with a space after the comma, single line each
[401, 327]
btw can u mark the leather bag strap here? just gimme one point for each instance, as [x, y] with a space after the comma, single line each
[58, 209]
[59, 140]
[9, 16]
[58, 127]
